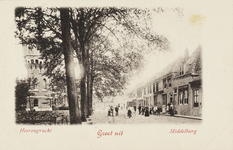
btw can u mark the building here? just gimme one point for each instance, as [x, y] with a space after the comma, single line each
[188, 85]
[42, 99]
[179, 84]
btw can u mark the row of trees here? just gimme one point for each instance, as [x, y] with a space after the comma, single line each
[109, 43]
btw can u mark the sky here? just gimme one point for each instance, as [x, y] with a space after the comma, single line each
[176, 27]
[182, 34]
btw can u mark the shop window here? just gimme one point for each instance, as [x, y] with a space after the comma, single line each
[183, 95]
[180, 96]
[195, 94]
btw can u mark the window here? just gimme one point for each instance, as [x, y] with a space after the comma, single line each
[45, 84]
[183, 95]
[40, 65]
[34, 83]
[195, 94]
[164, 84]
[180, 96]
[169, 82]
[153, 87]
[35, 102]
[157, 87]
[175, 90]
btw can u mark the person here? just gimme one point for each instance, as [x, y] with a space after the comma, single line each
[139, 109]
[116, 109]
[143, 110]
[135, 108]
[109, 112]
[110, 116]
[151, 110]
[111, 109]
[159, 110]
[168, 108]
[129, 113]
[147, 113]
[155, 109]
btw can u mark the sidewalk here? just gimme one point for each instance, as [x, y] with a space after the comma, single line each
[183, 116]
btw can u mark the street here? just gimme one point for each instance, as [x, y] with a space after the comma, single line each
[100, 117]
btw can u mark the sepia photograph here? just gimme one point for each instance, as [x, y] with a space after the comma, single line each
[116, 75]
[98, 65]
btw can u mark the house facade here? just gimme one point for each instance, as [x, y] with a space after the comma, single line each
[188, 86]
[180, 84]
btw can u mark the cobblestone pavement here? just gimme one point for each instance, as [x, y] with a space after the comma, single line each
[100, 117]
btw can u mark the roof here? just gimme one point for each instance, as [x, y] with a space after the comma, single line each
[174, 67]
[193, 60]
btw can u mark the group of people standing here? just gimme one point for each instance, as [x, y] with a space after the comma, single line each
[147, 111]
[111, 113]
[154, 110]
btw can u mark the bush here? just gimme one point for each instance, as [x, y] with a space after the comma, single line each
[63, 108]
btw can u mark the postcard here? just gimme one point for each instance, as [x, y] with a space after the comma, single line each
[116, 75]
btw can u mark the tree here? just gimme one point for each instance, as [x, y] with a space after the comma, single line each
[126, 32]
[69, 65]
[89, 23]
[33, 27]
[23, 90]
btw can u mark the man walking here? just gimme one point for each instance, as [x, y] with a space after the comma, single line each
[139, 109]
[116, 109]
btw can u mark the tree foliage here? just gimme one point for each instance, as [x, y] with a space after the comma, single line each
[23, 89]
[109, 42]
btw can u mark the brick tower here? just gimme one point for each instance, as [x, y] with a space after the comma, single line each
[42, 100]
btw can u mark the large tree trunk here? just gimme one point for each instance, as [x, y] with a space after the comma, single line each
[88, 82]
[83, 95]
[88, 94]
[91, 94]
[81, 38]
[91, 79]
[69, 66]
